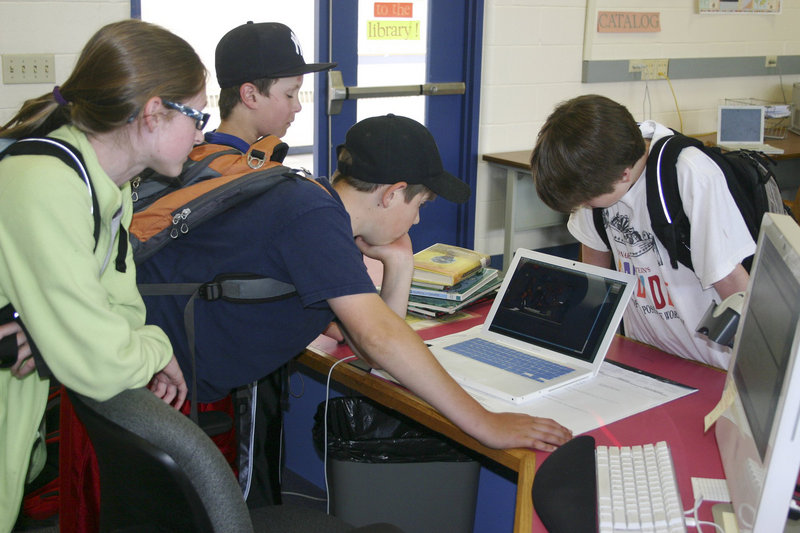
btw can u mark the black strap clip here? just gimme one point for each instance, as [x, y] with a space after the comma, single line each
[210, 291]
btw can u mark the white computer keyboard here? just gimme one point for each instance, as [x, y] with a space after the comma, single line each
[637, 489]
[756, 147]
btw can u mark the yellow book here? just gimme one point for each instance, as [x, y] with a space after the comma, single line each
[446, 265]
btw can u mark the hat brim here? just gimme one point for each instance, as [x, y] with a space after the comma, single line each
[302, 69]
[449, 187]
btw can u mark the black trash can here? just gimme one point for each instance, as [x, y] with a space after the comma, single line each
[383, 468]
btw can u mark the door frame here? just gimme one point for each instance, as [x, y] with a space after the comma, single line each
[449, 59]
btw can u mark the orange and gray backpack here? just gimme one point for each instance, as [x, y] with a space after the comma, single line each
[215, 179]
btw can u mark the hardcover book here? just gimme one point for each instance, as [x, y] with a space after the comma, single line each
[437, 307]
[446, 265]
[461, 290]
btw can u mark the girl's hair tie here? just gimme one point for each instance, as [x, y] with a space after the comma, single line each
[60, 100]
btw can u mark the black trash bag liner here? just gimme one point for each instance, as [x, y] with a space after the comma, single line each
[363, 431]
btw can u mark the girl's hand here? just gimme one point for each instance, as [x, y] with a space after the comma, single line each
[25, 363]
[169, 385]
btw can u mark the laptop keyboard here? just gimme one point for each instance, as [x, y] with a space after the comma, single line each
[514, 361]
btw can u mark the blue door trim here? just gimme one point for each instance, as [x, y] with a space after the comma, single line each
[345, 53]
[450, 59]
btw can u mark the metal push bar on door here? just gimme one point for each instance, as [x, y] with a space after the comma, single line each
[337, 92]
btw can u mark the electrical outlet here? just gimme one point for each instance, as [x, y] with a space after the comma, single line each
[650, 69]
[28, 68]
[771, 61]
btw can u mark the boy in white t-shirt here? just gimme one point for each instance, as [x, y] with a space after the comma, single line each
[590, 154]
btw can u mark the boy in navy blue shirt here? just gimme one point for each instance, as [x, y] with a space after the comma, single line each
[260, 68]
[313, 235]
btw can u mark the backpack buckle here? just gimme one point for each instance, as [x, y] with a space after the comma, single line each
[256, 159]
[210, 291]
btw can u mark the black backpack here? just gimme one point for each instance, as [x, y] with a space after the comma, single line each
[748, 174]
[214, 180]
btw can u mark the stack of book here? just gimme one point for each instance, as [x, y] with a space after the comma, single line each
[448, 278]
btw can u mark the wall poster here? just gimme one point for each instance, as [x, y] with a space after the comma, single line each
[739, 6]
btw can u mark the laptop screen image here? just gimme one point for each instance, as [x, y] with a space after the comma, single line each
[560, 309]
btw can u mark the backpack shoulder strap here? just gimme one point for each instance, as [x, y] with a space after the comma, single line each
[599, 225]
[69, 155]
[270, 148]
[177, 212]
[664, 204]
[202, 156]
[220, 160]
[207, 161]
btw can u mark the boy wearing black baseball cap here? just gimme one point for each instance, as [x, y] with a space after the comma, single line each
[260, 69]
[314, 234]
[376, 150]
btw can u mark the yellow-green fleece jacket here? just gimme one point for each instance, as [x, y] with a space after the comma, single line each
[88, 326]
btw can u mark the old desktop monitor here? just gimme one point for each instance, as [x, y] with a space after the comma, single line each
[741, 127]
[758, 435]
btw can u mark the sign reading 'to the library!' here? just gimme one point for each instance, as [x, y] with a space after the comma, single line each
[393, 30]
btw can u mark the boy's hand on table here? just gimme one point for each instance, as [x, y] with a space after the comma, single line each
[516, 430]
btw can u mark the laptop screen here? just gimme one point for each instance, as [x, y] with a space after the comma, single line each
[738, 124]
[557, 308]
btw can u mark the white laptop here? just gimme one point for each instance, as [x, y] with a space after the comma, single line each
[556, 311]
[741, 127]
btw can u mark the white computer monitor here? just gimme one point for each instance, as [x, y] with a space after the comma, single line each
[758, 435]
[740, 124]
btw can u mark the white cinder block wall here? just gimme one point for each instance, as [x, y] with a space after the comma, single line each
[532, 58]
[44, 27]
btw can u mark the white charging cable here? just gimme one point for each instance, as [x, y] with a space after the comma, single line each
[251, 438]
[695, 522]
[325, 429]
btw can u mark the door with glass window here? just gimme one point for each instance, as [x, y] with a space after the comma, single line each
[397, 48]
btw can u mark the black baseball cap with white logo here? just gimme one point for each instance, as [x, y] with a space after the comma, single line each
[389, 149]
[263, 50]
